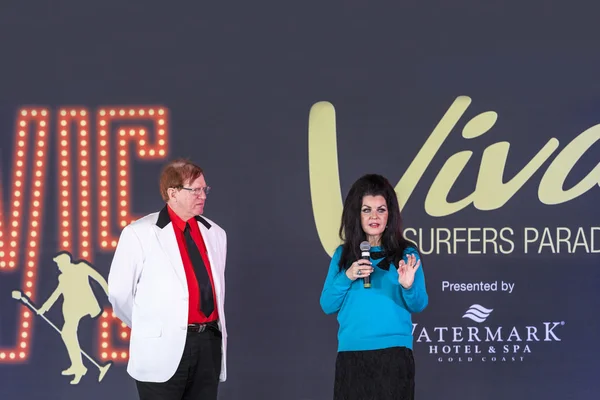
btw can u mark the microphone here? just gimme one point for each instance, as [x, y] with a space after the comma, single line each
[365, 253]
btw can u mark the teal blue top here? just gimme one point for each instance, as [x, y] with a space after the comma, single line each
[378, 317]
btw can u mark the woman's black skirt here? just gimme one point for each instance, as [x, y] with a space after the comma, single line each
[386, 374]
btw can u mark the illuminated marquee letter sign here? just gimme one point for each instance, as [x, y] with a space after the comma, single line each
[93, 187]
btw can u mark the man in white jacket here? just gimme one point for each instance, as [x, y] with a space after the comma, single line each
[167, 283]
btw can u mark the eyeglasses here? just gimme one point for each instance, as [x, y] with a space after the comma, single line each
[197, 191]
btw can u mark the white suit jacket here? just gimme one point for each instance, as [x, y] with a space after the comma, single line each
[148, 291]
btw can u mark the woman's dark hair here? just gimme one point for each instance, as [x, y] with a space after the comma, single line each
[393, 241]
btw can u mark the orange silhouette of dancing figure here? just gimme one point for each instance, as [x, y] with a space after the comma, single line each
[78, 301]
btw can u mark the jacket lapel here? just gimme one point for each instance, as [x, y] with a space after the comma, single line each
[168, 242]
[212, 250]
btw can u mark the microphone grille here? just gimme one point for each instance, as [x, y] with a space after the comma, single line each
[365, 246]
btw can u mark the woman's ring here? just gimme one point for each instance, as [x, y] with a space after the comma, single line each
[358, 272]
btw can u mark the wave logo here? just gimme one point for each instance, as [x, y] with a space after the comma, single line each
[477, 313]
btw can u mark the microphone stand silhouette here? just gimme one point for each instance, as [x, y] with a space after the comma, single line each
[17, 295]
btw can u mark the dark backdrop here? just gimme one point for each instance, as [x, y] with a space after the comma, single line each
[237, 81]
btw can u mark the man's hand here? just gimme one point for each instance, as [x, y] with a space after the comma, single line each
[42, 310]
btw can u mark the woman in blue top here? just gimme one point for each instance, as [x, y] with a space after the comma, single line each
[375, 359]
